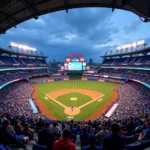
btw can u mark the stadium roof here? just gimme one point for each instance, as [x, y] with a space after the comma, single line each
[13, 12]
[5, 51]
[139, 51]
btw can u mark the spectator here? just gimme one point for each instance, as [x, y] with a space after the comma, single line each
[64, 143]
[89, 130]
[45, 137]
[114, 141]
[78, 130]
[84, 137]
[18, 128]
[146, 134]
[102, 133]
[9, 135]
[92, 142]
[54, 130]
[27, 131]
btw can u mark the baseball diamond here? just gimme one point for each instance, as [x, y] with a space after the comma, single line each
[92, 98]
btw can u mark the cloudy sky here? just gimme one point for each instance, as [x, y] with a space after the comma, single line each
[90, 31]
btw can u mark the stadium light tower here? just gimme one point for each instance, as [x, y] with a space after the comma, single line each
[131, 46]
[22, 47]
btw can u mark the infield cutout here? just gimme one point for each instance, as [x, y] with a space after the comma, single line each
[73, 98]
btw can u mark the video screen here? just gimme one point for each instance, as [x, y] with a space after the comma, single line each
[74, 66]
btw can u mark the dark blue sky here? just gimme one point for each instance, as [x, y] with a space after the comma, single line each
[90, 31]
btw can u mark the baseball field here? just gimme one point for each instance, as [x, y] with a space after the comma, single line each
[75, 99]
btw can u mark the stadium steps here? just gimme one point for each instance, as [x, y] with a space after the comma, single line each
[15, 61]
[132, 61]
[113, 62]
[22, 61]
[38, 61]
[140, 59]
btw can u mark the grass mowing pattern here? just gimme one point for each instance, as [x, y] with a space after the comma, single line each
[81, 99]
[58, 111]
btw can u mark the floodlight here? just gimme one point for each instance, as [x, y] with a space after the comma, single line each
[24, 47]
[142, 42]
[13, 44]
[134, 44]
[123, 47]
[129, 46]
[118, 48]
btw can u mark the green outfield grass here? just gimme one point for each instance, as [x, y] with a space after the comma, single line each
[58, 111]
[81, 99]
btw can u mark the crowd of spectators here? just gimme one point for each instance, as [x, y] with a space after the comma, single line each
[128, 127]
[14, 99]
[128, 74]
[134, 100]
[10, 76]
[105, 134]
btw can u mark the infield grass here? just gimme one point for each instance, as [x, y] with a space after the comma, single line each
[81, 99]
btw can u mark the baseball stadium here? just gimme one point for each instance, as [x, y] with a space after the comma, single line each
[74, 105]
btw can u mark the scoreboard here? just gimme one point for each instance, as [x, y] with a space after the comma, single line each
[76, 64]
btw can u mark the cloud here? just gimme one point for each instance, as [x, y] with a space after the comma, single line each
[133, 26]
[91, 31]
[61, 39]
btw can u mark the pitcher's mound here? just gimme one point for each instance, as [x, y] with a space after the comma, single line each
[73, 98]
[69, 111]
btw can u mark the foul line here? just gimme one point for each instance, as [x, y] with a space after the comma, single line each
[82, 106]
[59, 103]
[90, 102]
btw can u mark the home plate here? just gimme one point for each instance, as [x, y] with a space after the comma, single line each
[45, 97]
[100, 100]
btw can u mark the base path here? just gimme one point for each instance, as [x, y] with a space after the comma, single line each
[93, 94]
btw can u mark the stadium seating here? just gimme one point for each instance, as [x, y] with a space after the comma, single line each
[128, 61]
[127, 74]
[22, 62]
[21, 75]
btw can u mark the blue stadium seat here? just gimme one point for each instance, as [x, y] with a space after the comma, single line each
[3, 147]
[84, 143]
[129, 139]
[134, 146]
[139, 145]
[145, 144]
[39, 147]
